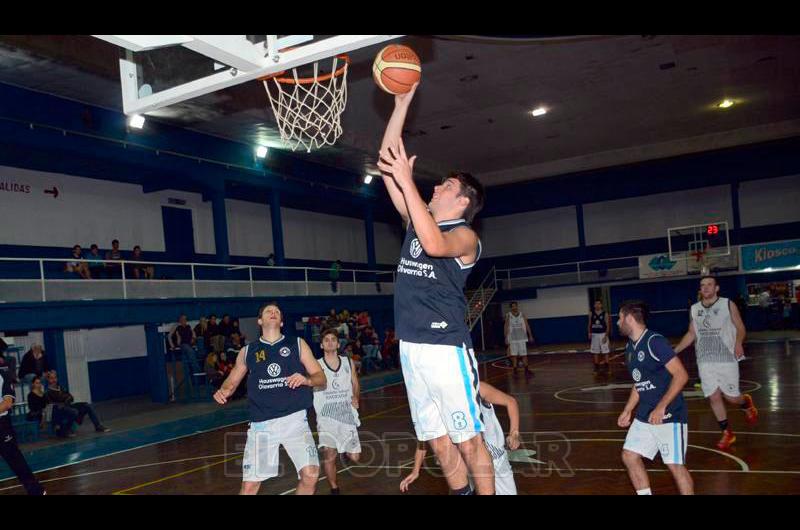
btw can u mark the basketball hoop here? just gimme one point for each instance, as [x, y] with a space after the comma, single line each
[308, 110]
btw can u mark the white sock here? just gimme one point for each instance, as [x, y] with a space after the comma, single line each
[645, 491]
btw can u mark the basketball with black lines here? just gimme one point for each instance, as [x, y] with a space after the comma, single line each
[396, 69]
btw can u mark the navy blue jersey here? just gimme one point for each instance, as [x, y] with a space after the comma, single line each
[647, 359]
[268, 365]
[599, 322]
[429, 303]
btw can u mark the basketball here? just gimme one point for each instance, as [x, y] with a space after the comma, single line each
[396, 69]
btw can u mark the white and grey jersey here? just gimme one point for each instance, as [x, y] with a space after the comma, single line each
[335, 401]
[716, 334]
[516, 328]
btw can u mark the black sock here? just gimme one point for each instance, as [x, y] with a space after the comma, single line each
[723, 425]
[466, 490]
[334, 491]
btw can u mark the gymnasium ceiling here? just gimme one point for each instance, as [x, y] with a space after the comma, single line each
[611, 100]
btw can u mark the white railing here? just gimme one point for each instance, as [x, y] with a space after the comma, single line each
[46, 279]
[569, 273]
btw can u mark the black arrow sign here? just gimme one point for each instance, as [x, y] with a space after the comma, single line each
[53, 192]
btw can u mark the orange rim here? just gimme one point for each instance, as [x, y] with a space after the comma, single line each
[308, 80]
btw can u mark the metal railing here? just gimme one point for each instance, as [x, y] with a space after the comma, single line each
[587, 271]
[46, 279]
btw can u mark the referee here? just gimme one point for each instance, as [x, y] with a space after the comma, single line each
[8, 443]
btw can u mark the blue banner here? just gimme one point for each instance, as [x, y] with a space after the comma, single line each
[771, 255]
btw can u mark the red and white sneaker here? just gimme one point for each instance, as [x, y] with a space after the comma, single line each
[750, 412]
[727, 440]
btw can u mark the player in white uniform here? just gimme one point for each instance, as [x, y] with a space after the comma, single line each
[493, 437]
[599, 329]
[517, 333]
[336, 406]
[717, 331]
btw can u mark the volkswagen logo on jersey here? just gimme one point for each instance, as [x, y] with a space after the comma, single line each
[285, 351]
[637, 375]
[640, 356]
[416, 248]
[274, 370]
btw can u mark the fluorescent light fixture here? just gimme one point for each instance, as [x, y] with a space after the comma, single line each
[725, 104]
[261, 151]
[136, 121]
[541, 111]
[367, 179]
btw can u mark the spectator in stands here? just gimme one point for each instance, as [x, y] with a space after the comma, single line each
[238, 331]
[214, 370]
[226, 327]
[140, 270]
[391, 350]
[336, 266]
[344, 315]
[65, 404]
[95, 262]
[78, 265]
[183, 338]
[229, 360]
[348, 351]
[34, 364]
[216, 340]
[271, 260]
[332, 321]
[363, 321]
[37, 401]
[114, 270]
[201, 335]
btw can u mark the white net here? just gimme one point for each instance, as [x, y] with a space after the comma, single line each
[308, 111]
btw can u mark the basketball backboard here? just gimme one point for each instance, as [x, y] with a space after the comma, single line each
[161, 70]
[704, 247]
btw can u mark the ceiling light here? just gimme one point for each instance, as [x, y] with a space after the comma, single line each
[541, 111]
[261, 151]
[367, 179]
[725, 104]
[136, 121]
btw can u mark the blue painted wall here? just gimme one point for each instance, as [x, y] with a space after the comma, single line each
[118, 378]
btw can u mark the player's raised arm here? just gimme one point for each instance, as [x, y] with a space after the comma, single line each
[391, 140]
[500, 398]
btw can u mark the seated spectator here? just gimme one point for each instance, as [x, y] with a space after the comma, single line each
[232, 352]
[68, 410]
[34, 364]
[182, 338]
[348, 351]
[140, 270]
[372, 355]
[95, 262]
[200, 331]
[114, 270]
[226, 327]
[237, 331]
[331, 321]
[229, 360]
[271, 260]
[362, 322]
[215, 369]
[391, 350]
[37, 401]
[344, 315]
[216, 340]
[78, 265]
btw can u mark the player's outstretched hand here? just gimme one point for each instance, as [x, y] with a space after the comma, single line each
[624, 419]
[405, 99]
[396, 163]
[296, 380]
[738, 350]
[407, 481]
